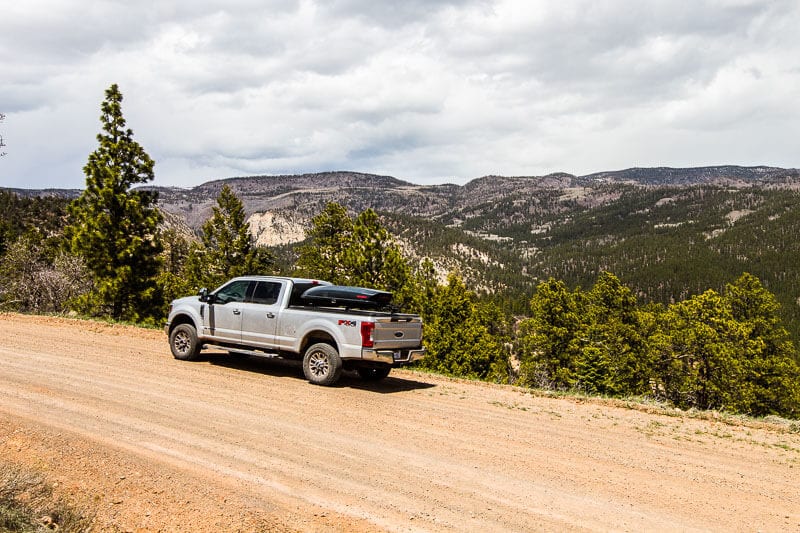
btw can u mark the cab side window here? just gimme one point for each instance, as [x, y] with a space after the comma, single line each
[266, 292]
[233, 292]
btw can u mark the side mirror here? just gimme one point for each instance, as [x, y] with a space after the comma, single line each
[203, 294]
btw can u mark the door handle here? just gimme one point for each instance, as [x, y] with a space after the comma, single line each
[237, 312]
[270, 315]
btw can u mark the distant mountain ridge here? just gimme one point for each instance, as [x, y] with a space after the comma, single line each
[281, 206]
[695, 175]
[272, 185]
[64, 193]
[359, 191]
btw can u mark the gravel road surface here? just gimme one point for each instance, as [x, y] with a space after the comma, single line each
[148, 443]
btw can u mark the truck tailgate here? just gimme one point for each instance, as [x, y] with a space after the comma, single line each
[398, 331]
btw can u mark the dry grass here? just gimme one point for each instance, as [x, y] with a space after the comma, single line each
[27, 505]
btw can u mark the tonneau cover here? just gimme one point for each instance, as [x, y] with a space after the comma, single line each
[351, 297]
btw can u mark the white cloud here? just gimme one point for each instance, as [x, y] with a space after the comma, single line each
[425, 91]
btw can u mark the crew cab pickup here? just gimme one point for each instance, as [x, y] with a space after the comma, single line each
[331, 328]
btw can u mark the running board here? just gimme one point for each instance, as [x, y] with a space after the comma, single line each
[240, 351]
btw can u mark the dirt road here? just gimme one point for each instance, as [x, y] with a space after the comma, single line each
[153, 444]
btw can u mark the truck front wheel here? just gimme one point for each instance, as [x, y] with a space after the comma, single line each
[183, 342]
[322, 364]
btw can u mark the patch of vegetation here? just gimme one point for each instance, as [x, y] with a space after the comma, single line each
[717, 351]
[27, 505]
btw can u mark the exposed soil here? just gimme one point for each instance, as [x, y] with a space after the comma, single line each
[148, 443]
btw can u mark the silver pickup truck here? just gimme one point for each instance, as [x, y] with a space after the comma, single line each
[330, 328]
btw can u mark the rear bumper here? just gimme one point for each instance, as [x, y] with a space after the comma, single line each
[393, 357]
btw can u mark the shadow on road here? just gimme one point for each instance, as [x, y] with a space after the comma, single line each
[294, 369]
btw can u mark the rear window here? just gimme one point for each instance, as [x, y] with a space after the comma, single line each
[266, 293]
[297, 291]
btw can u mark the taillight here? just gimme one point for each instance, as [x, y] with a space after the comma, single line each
[366, 334]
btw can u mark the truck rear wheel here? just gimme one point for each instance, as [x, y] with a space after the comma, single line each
[374, 373]
[322, 364]
[183, 342]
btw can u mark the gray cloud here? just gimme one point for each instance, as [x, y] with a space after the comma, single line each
[426, 91]
[393, 14]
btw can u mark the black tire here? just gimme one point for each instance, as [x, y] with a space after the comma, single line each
[374, 373]
[322, 364]
[183, 342]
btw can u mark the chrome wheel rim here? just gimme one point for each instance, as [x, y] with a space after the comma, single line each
[182, 342]
[318, 364]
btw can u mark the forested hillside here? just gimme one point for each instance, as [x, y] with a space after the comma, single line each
[666, 243]
[667, 233]
[671, 243]
[37, 215]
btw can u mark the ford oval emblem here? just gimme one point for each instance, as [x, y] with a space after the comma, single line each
[399, 334]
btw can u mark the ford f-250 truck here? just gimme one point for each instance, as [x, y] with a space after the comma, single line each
[330, 328]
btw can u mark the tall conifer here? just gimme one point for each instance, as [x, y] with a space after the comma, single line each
[352, 252]
[114, 227]
[228, 249]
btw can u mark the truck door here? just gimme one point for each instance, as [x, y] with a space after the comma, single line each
[260, 314]
[225, 316]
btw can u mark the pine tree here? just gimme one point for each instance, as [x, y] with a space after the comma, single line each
[419, 293]
[548, 342]
[612, 332]
[372, 258]
[728, 351]
[771, 361]
[330, 234]
[173, 279]
[228, 249]
[703, 355]
[357, 252]
[115, 228]
[226, 237]
[591, 374]
[458, 335]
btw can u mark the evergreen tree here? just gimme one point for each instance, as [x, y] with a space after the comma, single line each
[548, 341]
[704, 360]
[372, 258]
[728, 351]
[173, 279]
[115, 228]
[612, 339]
[330, 235]
[591, 341]
[357, 252]
[228, 249]
[419, 292]
[592, 372]
[771, 361]
[458, 335]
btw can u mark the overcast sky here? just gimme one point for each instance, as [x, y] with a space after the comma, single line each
[429, 91]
